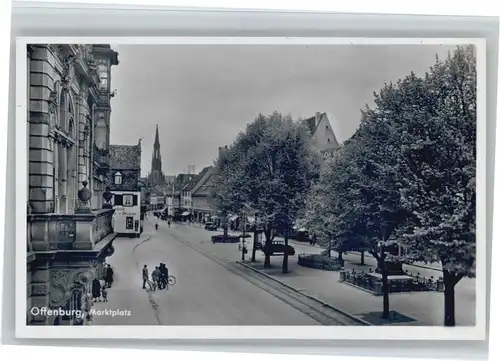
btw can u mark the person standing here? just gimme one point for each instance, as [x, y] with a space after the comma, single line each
[109, 276]
[96, 290]
[145, 276]
[155, 275]
[163, 276]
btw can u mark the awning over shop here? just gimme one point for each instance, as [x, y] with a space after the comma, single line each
[184, 214]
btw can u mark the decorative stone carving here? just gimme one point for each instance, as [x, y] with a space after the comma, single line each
[84, 195]
[64, 281]
[102, 226]
[39, 289]
[59, 284]
[107, 195]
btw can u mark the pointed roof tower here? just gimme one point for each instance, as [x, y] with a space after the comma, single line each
[157, 138]
[156, 171]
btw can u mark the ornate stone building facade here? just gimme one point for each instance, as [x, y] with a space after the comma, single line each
[69, 235]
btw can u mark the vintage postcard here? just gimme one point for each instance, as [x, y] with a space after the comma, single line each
[251, 188]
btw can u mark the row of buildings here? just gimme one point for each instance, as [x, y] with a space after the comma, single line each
[188, 195]
[82, 191]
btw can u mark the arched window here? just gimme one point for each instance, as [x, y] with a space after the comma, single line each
[71, 126]
[66, 121]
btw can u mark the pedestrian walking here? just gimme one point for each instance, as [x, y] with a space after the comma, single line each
[96, 290]
[109, 276]
[145, 276]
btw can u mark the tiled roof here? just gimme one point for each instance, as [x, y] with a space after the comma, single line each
[125, 156]
[201, 181]
[194, 182]
[181, 180]
[312, 123]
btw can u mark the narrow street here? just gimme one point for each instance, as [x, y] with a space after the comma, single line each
[205, 292]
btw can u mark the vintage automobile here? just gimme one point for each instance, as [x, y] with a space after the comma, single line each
[210, 226]
[221, 238]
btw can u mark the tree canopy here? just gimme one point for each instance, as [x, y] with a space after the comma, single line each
[407, 176]
[267, 170]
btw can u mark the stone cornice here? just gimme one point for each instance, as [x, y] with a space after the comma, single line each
[101, 248]
[63, 138]
[74, 217]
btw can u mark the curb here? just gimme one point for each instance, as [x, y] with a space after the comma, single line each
[308, 296]
[140, 243]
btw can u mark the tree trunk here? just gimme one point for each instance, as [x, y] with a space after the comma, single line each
[267, 261]
[382, 268]
[254, 248]
[285, 256]
[362, 257]
[450, 280]
[340, 255]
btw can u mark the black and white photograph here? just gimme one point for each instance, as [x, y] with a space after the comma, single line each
[287, 184]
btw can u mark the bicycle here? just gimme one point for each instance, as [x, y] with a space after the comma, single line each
[152, 285]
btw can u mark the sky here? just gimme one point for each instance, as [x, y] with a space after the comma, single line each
[202, 96]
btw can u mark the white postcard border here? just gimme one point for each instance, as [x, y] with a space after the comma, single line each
[477, 332]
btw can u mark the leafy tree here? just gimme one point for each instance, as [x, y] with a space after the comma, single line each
[268, 170]
[438, 155]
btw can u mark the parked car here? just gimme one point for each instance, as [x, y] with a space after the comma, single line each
[210, 226]
[302, 235]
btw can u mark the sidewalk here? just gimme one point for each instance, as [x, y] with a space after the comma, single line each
[430, 266]
[425, 308]
[125, 295]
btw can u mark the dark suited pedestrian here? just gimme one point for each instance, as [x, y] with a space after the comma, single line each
[145, 276]
[108, 276]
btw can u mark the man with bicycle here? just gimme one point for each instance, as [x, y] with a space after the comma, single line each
[163, 278]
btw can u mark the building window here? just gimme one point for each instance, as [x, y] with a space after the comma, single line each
[103, 77]
[118, 178]
[128, 200]
[327, 127]
[328, 140]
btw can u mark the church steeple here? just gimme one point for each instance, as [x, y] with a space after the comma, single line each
[157, 138]
[156, 171]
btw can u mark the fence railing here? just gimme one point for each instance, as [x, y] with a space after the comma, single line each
[373, 283]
